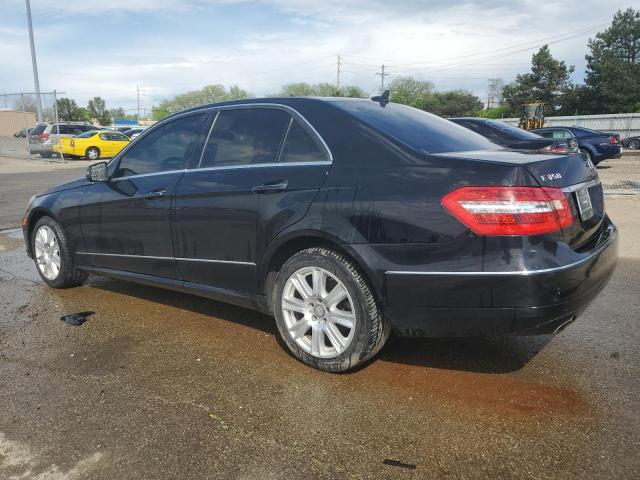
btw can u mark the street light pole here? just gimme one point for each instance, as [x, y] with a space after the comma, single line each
[35, 64]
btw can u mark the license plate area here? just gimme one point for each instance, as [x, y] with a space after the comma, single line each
[583, 199]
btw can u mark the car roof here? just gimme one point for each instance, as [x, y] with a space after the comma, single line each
[286, 101]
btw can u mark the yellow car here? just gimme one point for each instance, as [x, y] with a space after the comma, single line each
[93, 144]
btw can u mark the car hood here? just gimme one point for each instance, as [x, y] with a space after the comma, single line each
[80, 182]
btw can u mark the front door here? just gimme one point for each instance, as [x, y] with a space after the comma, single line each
[132, 211]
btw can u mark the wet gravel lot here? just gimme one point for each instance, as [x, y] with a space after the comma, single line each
[158, 385]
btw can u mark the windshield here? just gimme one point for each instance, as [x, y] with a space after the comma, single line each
[88, 134]
[512, 131]
[416, 128]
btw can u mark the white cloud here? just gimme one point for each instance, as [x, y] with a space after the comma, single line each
[399, 34]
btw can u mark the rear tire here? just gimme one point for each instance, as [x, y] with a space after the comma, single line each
[634, 144]
[334, 324]
[46, 154]
[92, 153]
[52, 255]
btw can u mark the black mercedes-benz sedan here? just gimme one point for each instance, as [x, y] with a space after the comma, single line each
[344, 219]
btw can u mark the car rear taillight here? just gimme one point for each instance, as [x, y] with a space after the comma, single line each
[555, 149]
[510, 210]
[42, 136]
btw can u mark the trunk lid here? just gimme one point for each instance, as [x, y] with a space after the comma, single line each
[573, 173]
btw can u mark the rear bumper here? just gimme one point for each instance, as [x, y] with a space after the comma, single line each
[453, 304]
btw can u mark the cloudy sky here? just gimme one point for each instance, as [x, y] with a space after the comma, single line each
[107, 48]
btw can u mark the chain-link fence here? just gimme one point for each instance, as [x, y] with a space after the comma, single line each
[28, 125]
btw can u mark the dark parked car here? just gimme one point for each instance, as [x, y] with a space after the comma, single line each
[22, 133]
[343, 218]
[631, 142]
[596, 146]
[515, 138]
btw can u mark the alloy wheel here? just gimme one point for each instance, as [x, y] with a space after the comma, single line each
[318, 311]
[47, 252]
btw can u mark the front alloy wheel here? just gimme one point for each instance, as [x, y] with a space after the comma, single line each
[318, 312]
[52, 255]
[47, 252]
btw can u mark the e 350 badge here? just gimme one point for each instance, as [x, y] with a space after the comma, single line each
[551, 176]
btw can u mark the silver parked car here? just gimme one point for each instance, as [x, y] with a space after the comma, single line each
[44, 136]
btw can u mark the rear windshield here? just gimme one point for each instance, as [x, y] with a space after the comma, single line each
[38, 129]
[587, 131]
[512, 131]
[88, 134]
[418, 129]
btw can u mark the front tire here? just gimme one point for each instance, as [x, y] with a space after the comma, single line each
[52, 255]
[634, 144]
[325, 311]
[92, 153]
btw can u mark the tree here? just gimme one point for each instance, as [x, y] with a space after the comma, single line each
[208, 94]
[409, 91]
[456, 103]
[303, 89]
[98, 111]
[613, 66]
[68, 110]
[26, 103]
[547, 82]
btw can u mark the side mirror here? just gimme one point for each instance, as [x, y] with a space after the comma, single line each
[97, 172]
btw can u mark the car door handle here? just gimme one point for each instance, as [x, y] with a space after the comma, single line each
[273, 186]
[155, 194]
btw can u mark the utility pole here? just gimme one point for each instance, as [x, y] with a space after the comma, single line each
[338, 75]
[382, 75]
[34, 64]
[138, 94]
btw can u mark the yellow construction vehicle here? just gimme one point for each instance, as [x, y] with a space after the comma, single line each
[532, 116]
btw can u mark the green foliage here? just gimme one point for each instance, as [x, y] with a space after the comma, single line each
[420, 94]
[303, 89]
[548, 81]
[613, 66]
[98, 110]
[68, 110]
[412, 92]
[456, 103]
[208, 94]
[497, 112]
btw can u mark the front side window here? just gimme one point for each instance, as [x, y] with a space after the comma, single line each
[166, 148]
[300, 146]
[245, 136]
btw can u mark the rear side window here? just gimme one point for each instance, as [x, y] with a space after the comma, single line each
[75, 129]
[417, 129]
[167, 147]
[546, 134]
[245, 136]
[301, 146]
